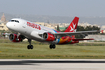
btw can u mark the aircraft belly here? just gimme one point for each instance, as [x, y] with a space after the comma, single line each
[64, 40]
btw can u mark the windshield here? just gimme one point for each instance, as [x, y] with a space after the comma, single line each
[14, 21]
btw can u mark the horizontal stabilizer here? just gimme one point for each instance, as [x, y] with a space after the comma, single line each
[82, 39]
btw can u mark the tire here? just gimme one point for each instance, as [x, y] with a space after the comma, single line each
[31, 46]
[52, 46]
[28, 47]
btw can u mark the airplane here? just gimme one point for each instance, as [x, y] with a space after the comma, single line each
[5, 34]
[102, 31]
[32, 31]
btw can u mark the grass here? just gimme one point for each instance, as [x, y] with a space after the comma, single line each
[9, 50]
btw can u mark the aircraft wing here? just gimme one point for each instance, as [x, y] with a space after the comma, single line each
[75, 33]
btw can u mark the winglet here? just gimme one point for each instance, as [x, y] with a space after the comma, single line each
[73, 26]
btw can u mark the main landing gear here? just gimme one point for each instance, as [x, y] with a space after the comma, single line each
[29, 46]
[52, 46]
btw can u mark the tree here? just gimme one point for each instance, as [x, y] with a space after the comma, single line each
[58, 28]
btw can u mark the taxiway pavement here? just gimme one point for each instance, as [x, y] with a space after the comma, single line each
[52, 64]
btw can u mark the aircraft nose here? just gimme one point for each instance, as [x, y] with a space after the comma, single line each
[8, 25]
[11, 26]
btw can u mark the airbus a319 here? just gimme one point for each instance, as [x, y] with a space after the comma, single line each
[33, 31]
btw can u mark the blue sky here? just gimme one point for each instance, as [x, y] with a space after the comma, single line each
[54, 7]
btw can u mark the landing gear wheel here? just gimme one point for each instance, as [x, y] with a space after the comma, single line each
[30, 47]
[52, 46]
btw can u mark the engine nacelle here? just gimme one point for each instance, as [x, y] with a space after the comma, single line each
[48, 37]
[13, 38]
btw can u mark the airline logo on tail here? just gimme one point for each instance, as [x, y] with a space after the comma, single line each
[73, 26]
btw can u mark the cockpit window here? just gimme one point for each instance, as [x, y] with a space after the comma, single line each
[14, 21]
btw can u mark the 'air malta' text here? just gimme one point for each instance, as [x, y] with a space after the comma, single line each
[33, 25]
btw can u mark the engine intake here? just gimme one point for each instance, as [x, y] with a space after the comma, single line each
[48, 37]
[13, 38]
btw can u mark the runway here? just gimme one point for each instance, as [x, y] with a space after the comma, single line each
[52, 64]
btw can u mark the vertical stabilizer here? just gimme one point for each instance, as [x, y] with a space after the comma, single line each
[73, 26]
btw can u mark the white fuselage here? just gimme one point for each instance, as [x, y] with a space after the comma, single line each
[28, 29]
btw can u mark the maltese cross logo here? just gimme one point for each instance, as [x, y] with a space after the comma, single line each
[72, 28]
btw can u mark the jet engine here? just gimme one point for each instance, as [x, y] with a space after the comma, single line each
[48, 37]
[15, 38]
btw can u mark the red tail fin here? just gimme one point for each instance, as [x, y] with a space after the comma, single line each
[73, 26]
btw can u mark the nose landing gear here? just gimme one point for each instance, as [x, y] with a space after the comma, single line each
[29, 46]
